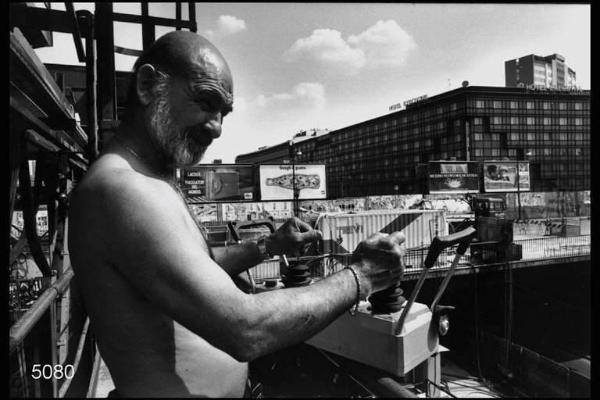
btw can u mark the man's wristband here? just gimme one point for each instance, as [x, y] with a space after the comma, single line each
[354, 309]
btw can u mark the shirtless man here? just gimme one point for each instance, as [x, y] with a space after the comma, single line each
[169, 320]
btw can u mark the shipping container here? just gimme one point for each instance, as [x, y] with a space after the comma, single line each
[343, 232]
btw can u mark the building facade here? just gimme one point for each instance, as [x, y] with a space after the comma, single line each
[549, 128]
[550, 72]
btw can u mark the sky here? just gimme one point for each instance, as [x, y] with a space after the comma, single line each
[299, 66]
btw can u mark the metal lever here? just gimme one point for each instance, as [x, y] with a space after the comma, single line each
[460, 251]
[438, 244]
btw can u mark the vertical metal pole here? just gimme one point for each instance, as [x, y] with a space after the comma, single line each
[53, 346]
[91, 89]
[107, 101]
[178, 14]
[148, 34]
[15, 163]
[37, 389]
[192, 14]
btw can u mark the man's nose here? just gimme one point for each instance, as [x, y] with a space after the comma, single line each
[213, 124]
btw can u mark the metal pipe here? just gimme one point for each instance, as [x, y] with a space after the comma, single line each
[77, 360]
[94, 375]
[444, 283]
[21, 328]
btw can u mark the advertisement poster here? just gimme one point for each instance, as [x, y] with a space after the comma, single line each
[501, 176]
[218, 182]
[447, 178]
[276, 182]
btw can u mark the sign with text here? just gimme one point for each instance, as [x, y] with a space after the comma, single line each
[218, 182]
[277, 182]
[503, 176]
[453, 177]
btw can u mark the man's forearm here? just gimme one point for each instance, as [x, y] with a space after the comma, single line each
[289, 316]
[237, 258]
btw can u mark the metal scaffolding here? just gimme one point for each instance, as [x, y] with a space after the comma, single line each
[45, 131]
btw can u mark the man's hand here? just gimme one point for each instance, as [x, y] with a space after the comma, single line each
[292, 238]
[378, 259]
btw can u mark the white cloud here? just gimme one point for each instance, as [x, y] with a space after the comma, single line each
[328, 47]
[228, 24]
[307, 94]
[385, 44]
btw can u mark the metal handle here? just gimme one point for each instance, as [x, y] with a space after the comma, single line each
[235, 226]
[439, 243]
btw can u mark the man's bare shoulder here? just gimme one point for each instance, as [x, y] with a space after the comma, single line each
[113, 178]
[112, 193]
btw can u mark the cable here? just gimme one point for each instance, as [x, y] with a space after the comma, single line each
[443, 389]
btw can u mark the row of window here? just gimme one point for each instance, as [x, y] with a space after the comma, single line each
[529, 104]
[531, 136]
[562, 121]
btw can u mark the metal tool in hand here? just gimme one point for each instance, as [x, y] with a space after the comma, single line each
[234, 228]
[438, 244]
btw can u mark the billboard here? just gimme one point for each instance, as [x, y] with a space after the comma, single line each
[218, 182]
[453, 177]
[501, 176]
[276, 182]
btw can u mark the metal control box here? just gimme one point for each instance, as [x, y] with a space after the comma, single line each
[369, 338]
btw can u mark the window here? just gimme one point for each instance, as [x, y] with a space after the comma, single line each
[562, 105]
[547, 120]
[453, 107]
[479, 104]
[578, 106]
[547, 151]
[514, 120]
[578, 121]
[514, 136]
[529, 105]
[531, 136]
[496, 120]
[562, 121]
[530, 121]
[497, 104]
[477, 136]
[546, 136]
[477, 121]
[546, 105]
[513, 104]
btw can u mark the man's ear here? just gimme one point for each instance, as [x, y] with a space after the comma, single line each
[146, 78]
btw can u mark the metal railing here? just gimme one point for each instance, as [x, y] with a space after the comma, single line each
[542, 248]
[38, 367]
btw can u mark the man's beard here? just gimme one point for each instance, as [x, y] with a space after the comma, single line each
[175, 143]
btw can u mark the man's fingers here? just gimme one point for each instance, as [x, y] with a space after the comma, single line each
[311, 236]
[302, 226]
[397, 237]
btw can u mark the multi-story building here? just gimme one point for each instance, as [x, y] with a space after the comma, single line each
[549, 128]
[550, 72]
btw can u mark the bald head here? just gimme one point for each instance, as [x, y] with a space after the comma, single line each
[189, 56]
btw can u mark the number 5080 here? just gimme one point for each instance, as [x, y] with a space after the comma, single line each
[47, 371]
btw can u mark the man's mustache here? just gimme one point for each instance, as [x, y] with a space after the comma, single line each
[201, 135]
